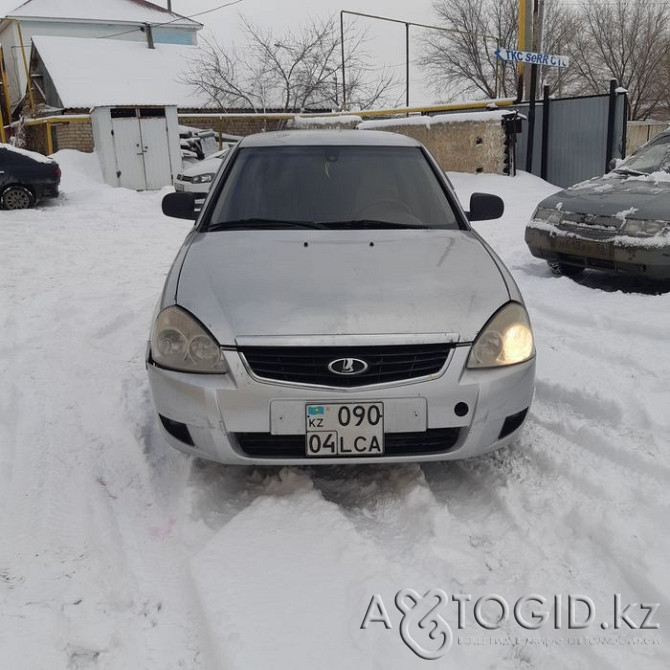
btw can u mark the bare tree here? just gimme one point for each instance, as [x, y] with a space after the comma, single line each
[292, 71]
[463, 61]
[627, 40]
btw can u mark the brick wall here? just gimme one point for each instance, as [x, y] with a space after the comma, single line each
[66, 135]
[234, 125]
[36, 138]
[73, 135]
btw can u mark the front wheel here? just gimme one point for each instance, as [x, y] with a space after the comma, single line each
[16, 197]
[565, 270]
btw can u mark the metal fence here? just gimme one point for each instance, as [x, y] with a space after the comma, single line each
[574, 138]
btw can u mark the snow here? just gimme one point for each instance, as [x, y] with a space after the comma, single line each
[659, 176]
[118, 72]
[428, 121]
[313, 121]
[118, 552]
[126, 11]
[657, 241]
[24, 152]
[625, 213]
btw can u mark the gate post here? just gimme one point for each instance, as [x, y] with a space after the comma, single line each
[545, 133]
[611, 116]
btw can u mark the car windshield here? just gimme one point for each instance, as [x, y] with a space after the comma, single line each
[330, 187]
[654, 157]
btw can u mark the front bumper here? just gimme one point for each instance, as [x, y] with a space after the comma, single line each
[217, 410]
[189, 187]
[613, 254]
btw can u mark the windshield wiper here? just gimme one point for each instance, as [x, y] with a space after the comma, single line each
[367, 224]
[242, 224]
[627, 170]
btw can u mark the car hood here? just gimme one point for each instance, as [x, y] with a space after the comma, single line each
[289, 283]
[205, 166]
[614, 195]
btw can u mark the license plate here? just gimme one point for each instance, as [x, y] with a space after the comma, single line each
[344, 429]
[584, 247]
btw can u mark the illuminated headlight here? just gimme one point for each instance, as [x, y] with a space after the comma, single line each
[506, 339]
[203, 178]
[552, 216]
[179, 342]
[641, 228]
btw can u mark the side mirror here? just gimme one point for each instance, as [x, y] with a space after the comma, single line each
[180, 206]
[484, 206]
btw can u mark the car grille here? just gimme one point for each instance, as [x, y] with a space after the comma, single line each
[183, 177]
[593, 228]
[433, 441]
[309, 365]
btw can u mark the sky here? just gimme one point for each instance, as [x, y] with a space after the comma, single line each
[386, 45]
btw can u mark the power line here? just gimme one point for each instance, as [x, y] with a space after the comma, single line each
[166, 23]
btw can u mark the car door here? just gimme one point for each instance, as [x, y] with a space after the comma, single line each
[6, 172]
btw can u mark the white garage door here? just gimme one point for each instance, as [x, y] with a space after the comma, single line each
[141, 147]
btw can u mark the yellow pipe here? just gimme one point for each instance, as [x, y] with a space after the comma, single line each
[50, 141]
[26, 68]
[5, 89]
[57, 119]
[451, 107]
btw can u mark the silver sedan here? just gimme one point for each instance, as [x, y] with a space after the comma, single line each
[332, 304]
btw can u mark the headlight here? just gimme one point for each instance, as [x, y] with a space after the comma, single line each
[203, 178]
[179, 342]
[641, 228]
[552, 216]
[506, 339]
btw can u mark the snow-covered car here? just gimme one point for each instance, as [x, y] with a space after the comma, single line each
[26, 177]
[199, 177]
[620, 221]
[332, 304]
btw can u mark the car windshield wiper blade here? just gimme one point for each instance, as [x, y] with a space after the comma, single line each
[627, 170]
[241, 224]
[369, 223]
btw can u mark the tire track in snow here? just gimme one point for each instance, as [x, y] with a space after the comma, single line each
[96, 575]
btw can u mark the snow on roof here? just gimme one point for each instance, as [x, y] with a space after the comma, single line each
[24, 152]
[328, 138]
[428, 121]
[123, 11]
[98, 73]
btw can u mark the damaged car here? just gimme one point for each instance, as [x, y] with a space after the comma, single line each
[617, 222]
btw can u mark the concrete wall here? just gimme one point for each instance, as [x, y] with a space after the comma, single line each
[471, 142]
[466, 142]
[640, 132]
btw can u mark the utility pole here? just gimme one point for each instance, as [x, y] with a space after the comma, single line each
[525, 31]
[532, 92]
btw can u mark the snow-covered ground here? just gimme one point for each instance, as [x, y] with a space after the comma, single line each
[117, 552]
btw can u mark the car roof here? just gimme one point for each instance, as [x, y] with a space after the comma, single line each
[328, 137]
[32, 155]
